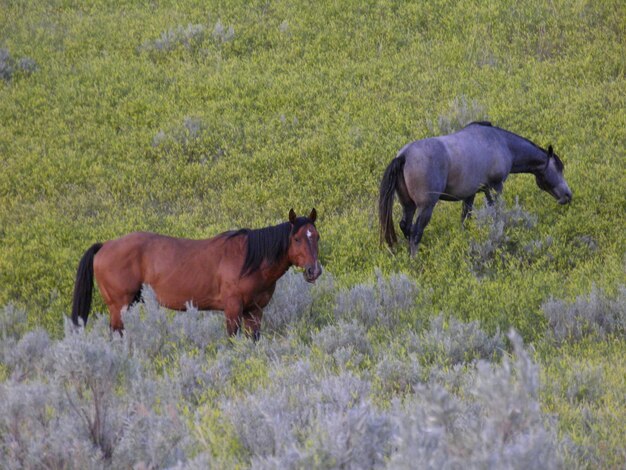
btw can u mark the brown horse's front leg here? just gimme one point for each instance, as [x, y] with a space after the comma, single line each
[233, 312]
[252, 323]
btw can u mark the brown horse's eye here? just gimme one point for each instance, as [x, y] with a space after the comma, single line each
[297, 239]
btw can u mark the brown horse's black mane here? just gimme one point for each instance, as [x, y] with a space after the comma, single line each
[267, 244]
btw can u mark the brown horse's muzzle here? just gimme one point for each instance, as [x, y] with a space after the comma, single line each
[311, 273]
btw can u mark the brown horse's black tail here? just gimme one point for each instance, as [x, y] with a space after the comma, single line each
[385, 200]
[83, 288]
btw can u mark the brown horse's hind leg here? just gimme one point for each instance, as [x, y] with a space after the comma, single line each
[116, 308]
[117, 290]
[252, 323]
[115, 315]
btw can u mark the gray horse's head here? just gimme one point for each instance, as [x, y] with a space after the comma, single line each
[551, 179]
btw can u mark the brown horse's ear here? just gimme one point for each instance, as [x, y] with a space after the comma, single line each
[292, 216]
[313, 215]
[550, 151]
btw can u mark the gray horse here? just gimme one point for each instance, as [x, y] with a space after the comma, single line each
[454, 167]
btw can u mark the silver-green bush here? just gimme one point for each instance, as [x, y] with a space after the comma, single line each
[595, 315]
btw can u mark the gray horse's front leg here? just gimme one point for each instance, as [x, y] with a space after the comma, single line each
[497, 187]
[488, 196]
[468, 205]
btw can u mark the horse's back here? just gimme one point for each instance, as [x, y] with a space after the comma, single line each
[176, 268]
[130, 249]
[457, 164]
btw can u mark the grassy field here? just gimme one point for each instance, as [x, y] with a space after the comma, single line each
[190, 118]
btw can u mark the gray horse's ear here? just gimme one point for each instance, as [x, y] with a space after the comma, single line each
[313, 215]
[550, 151]
[292, 216]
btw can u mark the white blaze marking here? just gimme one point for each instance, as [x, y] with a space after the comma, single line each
[309, 234]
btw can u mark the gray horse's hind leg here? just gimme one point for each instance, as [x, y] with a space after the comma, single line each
[407, 219]
[408, 208]
[468, 205]
[418, 229]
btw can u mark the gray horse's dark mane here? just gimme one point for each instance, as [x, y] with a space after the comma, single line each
[559, 163]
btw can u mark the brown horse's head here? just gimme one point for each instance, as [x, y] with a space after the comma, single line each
[303, 245]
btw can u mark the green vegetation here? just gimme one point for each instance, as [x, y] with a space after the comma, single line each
[189, 118]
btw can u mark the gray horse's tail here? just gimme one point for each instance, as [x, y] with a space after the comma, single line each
[385, 200]
[83, 288]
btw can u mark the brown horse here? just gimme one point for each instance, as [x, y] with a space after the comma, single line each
[235, 271]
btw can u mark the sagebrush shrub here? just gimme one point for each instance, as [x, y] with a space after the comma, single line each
[383, 302]
[8, 65]
[461, 112]
[28, 354]
[292, 301]
[264, 420]
[501, 242]
[514, 423]
[343, 335]
[27, 65]
[98, 400]
[359, 304]
[586, 384]
[191, 142]
[450, 342]
[595, 315]
[154, 331]
[89, 368]
[191, 37]
[221, 33]
[394, 374]
[291, 423]
[500, 426]
[201, 328]
[13, 323]
[151, 439]
[354, 439]
[38, 430]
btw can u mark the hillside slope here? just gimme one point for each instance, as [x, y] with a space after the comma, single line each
[190, 118]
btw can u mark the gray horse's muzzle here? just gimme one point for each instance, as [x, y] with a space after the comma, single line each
[565, 197]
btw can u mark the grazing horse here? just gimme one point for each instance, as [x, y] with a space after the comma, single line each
[454, 167]
[235, 271]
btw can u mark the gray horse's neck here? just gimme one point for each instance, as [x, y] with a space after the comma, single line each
[527, 157]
